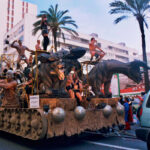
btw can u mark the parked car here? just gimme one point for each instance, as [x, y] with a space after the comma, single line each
[148, 141]
[143, 133]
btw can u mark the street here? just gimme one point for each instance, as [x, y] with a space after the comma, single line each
[90, 142]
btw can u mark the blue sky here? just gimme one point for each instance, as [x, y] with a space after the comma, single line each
[92, 17]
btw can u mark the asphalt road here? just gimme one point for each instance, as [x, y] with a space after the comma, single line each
[92, 142]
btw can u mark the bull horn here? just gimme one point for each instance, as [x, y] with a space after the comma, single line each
[140, 64]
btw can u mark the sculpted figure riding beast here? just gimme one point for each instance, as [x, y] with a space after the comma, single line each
[54, 68]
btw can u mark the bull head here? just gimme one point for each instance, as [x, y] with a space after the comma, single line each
[134, 70]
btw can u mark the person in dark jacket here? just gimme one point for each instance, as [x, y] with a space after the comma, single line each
[45, 31]
[121, 100]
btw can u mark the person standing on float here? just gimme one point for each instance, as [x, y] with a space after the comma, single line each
[44, 28]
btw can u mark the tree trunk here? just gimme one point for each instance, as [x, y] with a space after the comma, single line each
[55, 40]
[146, 76]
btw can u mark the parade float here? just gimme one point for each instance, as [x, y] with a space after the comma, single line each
[49, 112]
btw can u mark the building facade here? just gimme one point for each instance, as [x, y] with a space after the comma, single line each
[12, 11]
[21, 31]
[113, 50]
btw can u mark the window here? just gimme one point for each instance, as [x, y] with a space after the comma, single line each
[12, 20]
[8, 10]
[23, 15]
[118, 50]
[8, 5]
[85, 41]
[121, 50]
[109, 54]
[21, 29]
[122, 58]
[75, 38]
[7, 25]
[148, 102]
[99, 44]
[110, 47]
[68, 37]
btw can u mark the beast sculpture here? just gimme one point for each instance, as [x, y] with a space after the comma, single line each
[103, 71]
[54, 68]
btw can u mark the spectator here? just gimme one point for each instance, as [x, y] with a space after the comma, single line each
[130, 112]
[121, 100]
[143, 94]
[126, 106]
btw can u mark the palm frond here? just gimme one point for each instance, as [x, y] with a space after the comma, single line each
[143, 3]
[147, 7]
[131, 3]
[37, 23]
[145, 23]
[43, 13]
[39, 16]
[35, 30]
[120, 19]
[136, 8]
[119, 7]
[65, 18]
[119, 10]
[62, 13]
[56, 8]
[71, 31]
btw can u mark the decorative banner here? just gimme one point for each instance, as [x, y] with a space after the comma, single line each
[34, 101]
[115, 87]
[134, 90]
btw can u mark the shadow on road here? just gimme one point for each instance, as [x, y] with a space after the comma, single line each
[54, 143]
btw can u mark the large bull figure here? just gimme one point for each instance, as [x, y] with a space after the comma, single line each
[103, 71]
[54, 68]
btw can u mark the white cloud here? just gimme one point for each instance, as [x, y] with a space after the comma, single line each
[102, 23]
[92, 16]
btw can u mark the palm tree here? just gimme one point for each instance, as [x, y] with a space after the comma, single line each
[57, 20]
[137, 9]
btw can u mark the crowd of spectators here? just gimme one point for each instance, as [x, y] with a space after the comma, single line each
[132, 105]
